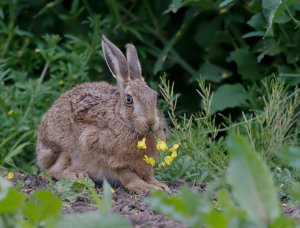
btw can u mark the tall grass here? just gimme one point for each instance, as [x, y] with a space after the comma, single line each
[203, 141]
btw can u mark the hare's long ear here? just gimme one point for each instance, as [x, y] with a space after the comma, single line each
[134, 65]
[115, 60]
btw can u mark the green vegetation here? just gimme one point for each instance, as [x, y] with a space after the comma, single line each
[221, 66]
[43, 208]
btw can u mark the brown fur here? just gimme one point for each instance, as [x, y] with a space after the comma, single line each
[90, 130]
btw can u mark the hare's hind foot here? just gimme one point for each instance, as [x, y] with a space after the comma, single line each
[61, 170]
[68, 174]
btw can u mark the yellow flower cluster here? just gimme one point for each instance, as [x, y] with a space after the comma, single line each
[162, 146]
[169, 159]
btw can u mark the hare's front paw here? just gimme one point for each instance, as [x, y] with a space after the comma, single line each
[74, 175]
[140, 188]
[160, 185]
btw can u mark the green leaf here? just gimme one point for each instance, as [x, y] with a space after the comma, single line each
[5, 185]
[295, 191]
[185, 207]
[93, 219]
[107, 197]
[269, 9]
[215, 219]
[175, 5]
[228, 96]
[257, 22]
[247, 64]
[283, 221]
[225, 3]
[14, 200]
[43, 208]
[251, 182]
[213, 73]
[113, 9]
[290, 155]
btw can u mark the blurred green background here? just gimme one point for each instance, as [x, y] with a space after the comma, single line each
[46, 47]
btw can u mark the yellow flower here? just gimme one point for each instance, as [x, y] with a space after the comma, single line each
[161, 145]
[112, 190]
[168, 160]
[142, 144]
[61, 82]
[174, 154]
[175, 147]
[10, 175]
[222, 10]
[149, 160]
[10, 112]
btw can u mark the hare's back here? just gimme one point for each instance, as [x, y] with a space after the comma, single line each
[84, 103]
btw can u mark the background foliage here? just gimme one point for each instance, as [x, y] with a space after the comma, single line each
[221, 65]
[47, 47]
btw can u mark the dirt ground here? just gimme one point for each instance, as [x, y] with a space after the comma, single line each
[124, 203]
[129, 206]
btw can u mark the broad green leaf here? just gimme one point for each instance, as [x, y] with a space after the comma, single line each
[213, 73]
[295, 191]
[5, 185]
[251, 182]
[186, 207]
[175, 5]
[206, 34]
[13, 200]
[43, 208]
[247, 64]
[283, 221]
[228, 96]
[215, 219]
[283, 7]
[257, 22]
[253, 34]
[93, 219]
[269, 10]
[225, 3]
[290, 155]
[107, 197]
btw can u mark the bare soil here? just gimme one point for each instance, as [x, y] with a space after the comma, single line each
[130, 206]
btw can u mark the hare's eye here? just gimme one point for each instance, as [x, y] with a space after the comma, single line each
[129, 100]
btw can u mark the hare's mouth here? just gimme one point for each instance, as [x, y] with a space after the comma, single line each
[145, 125]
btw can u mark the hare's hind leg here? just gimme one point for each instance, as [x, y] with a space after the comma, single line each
[62, 169]
[45, 156]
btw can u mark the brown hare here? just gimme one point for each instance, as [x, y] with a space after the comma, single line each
[93, 129]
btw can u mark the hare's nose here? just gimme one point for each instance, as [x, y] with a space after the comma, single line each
[151, 124]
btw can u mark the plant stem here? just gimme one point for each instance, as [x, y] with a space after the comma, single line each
[37, 88]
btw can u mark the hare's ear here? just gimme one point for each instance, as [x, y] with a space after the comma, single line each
[134, 65]
[115, 60]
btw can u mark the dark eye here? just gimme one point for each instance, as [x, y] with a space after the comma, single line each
[129, 100]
